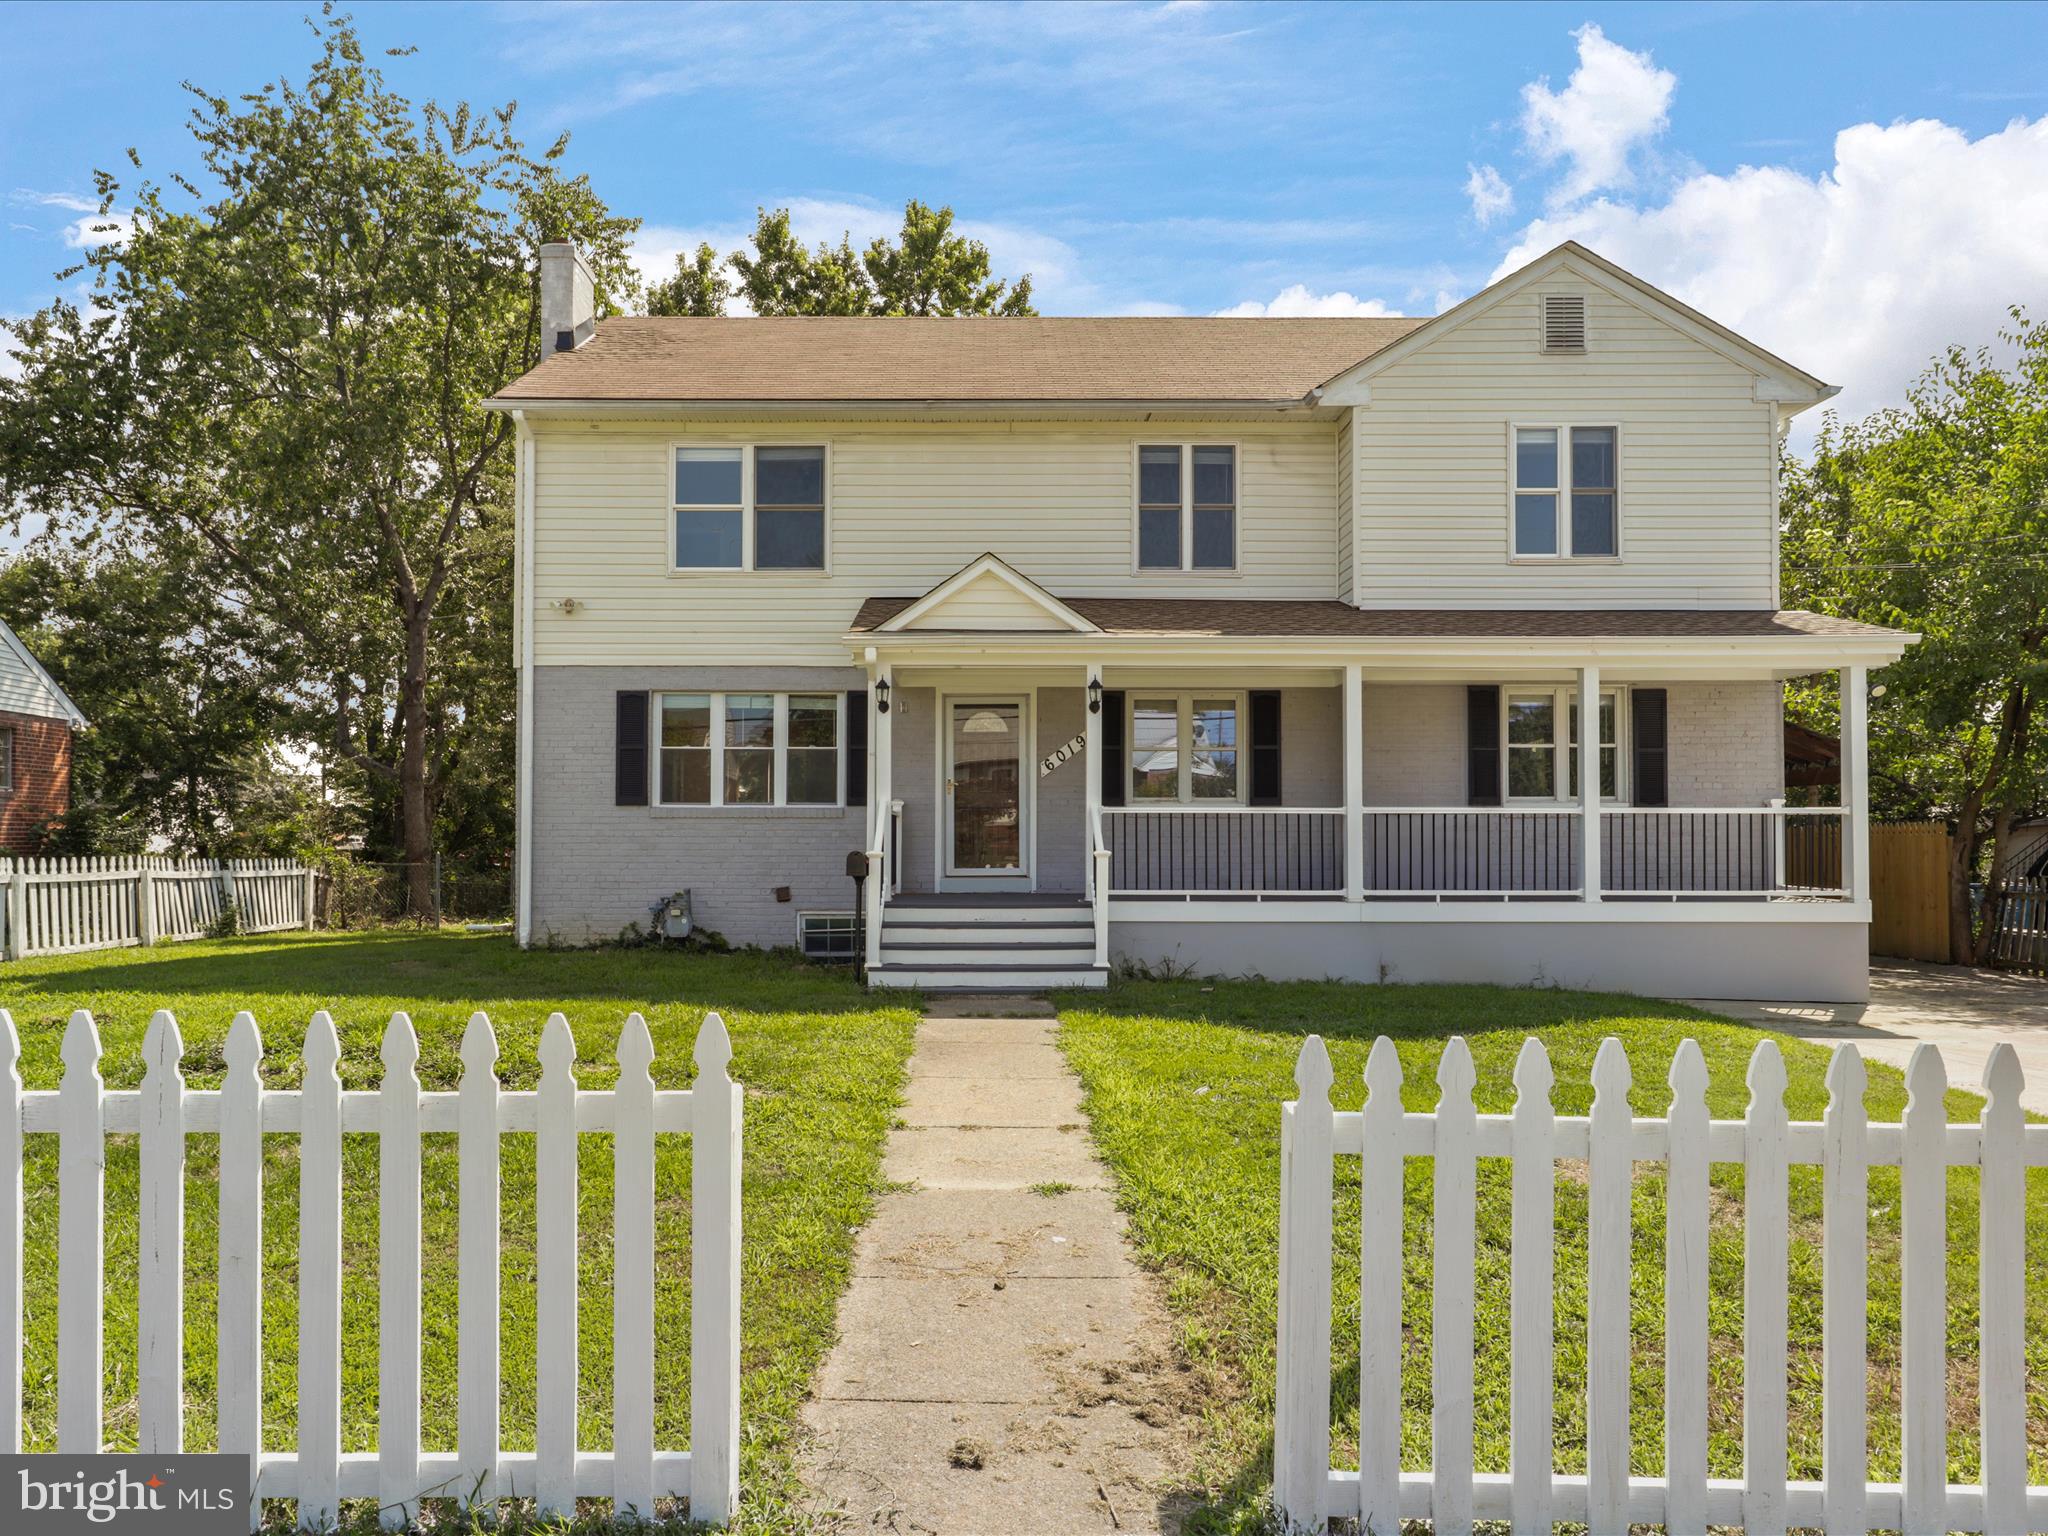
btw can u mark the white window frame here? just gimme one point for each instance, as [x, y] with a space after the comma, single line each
[779, 779]
[852, 954]
[1562, 491]
[747, 450]
[1564, 702]
[7, 745]
[1184, 730]
[1187, 566]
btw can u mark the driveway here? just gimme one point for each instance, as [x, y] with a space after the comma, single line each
[1962, 1010]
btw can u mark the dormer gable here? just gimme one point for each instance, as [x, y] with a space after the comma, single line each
[988, 593]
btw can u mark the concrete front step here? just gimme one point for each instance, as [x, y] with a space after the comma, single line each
[1009, 977]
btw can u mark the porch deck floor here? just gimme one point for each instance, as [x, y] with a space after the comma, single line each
[988, 899]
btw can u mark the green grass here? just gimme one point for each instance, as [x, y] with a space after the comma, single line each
[1199, 1174]
[821, 1062]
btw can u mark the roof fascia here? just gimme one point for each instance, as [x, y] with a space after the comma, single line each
[68, 710]
[1303, 405]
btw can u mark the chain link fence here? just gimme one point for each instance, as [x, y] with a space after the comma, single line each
[368, 894]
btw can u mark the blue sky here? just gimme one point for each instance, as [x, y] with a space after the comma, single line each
[1851, 185]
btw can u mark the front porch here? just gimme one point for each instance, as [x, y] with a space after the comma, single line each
[1232, 803]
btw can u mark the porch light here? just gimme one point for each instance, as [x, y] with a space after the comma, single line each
[882, 696]
[1094, 695]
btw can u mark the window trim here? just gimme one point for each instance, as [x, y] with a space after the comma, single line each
[1184, 706]
[1187, 567]
[852, 956]
[1563, 491]
[747, 448]
[9, 740]
[778, 799]
[1564, 705]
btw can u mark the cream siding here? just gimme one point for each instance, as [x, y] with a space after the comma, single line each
[24, 690]
[1346, 549]
[988, 602]
[908, 504]
[1697, 465]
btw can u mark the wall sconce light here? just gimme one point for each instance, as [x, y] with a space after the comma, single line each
[882, 697]
[1094, 695]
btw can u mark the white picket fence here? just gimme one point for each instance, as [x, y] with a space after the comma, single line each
[1610, 1141]
[81, 1113]
[64, 906]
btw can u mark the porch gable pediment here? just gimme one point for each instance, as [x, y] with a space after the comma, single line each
[988, 593]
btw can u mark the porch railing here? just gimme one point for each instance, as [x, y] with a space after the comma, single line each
[1194, 850]
[1482, 851]
[1682, 851]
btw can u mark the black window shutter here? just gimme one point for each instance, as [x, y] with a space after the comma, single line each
[629, 772]
[857, 746]
[1265, 746]
[1482, 745]
[1112, 746]
[1650, 782]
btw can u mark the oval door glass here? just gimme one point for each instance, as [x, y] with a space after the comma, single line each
[987, 786]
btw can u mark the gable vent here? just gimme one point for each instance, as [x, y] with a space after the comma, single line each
[1564, 322]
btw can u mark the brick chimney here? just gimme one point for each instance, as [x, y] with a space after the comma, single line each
[568, 302]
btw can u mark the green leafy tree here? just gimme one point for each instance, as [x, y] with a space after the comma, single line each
[699, 287]
[927, 270]
[1934, 517]
[281, 388]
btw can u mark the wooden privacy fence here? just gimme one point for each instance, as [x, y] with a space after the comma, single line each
[1909, 890]
[1610, 1141]
[2019, 926]
[63, 906]
[165, 1113]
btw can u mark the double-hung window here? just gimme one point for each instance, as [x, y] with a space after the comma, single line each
[1565, 502]
[1187, 507]
[750, 749]
[749, 508]
[1185, 748]
[1541, 736]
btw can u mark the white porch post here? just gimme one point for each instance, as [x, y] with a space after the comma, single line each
[1091, 761]
[1589, 783]
[1354, 783]
[881, 745]
[1855, 684]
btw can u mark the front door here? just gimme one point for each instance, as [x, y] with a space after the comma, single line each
[986, 809]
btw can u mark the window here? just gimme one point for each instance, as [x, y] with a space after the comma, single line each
[1540, 732]
[750, 749]
[1564, 503]
[1187, 507]
[1185, 748]
[6, 759]
[828, 935]
[749, 508]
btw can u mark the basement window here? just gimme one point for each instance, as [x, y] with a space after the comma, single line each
[827, 935]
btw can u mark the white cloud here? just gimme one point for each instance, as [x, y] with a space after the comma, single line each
[1916, 238]
[74, 201]
[1297, 300]
[96, 229]
[1491, 195]
[1615, 101]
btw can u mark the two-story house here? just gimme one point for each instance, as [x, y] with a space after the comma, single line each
[1368, 648]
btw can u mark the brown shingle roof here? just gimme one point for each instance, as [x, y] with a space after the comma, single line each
[835, 358]
[1316, 619]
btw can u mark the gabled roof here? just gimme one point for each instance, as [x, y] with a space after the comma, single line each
[986, 593]
[791, 360]
[27, 689]
[1777, 379]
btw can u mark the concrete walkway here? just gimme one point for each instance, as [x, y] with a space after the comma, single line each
[1002, 1365]
[1962, 1010]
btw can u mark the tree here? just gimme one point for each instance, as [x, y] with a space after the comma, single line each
[929, 270]
[281, 390]
[699, 287]
[1934, 517]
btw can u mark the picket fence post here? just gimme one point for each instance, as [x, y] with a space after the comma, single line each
[239, 1319]
[398, 1277]
[11, 1220]
[1685, 1294]
[1380, 1205]
[1302, 1403]
[714, 1279]
[1923, 1302]
[2001, 1301]
[160, 1273]
[477, 1198]
[319, 1437]
[1531, 1285]
[555, 1176]
[633, 1271]
[1609, 1189]
[81, 1189]
[1766, 1221]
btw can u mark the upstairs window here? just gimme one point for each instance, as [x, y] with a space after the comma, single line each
[1564, 502]
[1187, 507]
[749, 508]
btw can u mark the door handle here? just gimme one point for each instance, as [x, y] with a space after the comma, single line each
[949, 785]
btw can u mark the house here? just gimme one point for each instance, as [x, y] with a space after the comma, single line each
[1235, 645]
[36, 722]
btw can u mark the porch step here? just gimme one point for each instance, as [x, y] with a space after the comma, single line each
[988, 978]
[982, 952]
[984, 913]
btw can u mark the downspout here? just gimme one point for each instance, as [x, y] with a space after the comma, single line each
[522, 629]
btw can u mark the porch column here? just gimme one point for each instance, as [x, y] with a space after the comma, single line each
[1855, 684]
[1589, 783]
[1354, 783]
[881, 724]
[1091, 762]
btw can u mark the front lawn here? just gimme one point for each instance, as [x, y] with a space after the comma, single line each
[821, 1061]
[1184, 1085]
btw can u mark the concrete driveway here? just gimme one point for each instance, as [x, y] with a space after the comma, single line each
[1962, 1010]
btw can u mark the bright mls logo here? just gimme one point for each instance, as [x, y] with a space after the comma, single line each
[62, 1495]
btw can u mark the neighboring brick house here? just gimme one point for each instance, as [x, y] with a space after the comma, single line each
[36, 722]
